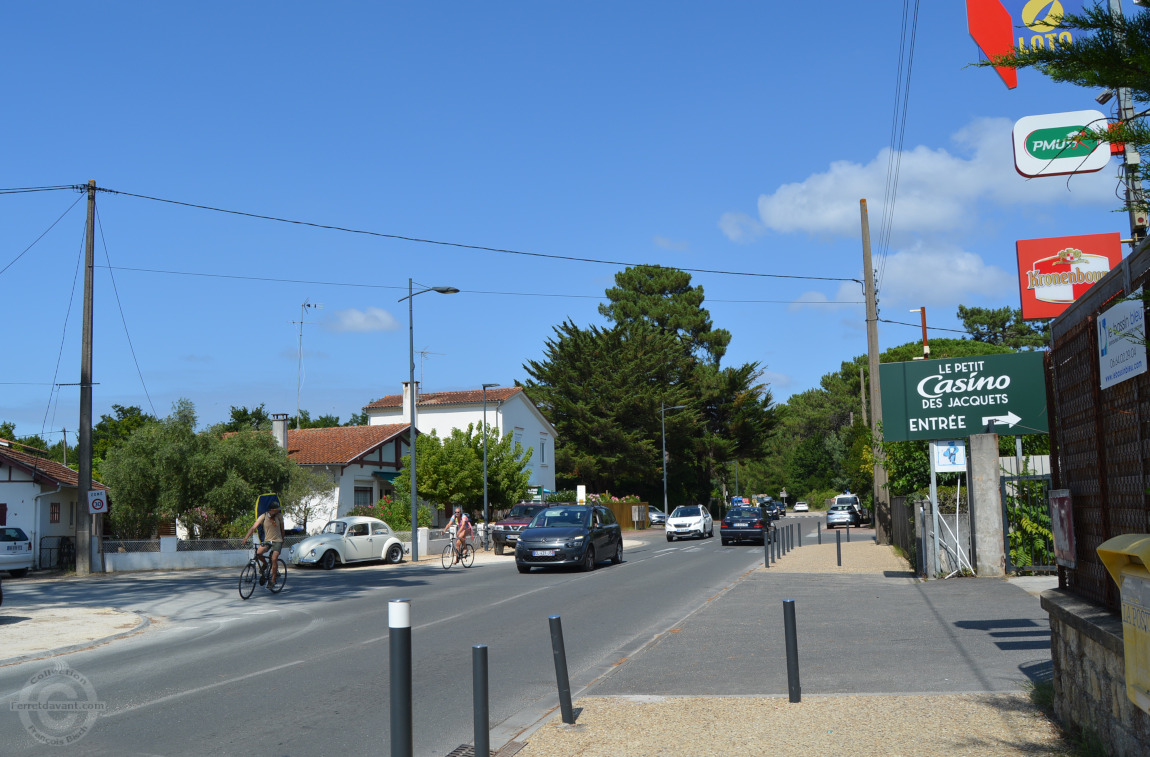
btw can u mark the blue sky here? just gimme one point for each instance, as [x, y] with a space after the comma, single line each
[734, 136]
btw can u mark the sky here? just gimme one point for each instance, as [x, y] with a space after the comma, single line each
[726, 136]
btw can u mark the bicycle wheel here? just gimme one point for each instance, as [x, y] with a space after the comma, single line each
[281, 577]
[467, 556]
[448, 555]
[247, 580]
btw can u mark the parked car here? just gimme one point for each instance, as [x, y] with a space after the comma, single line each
[345, 540]
[506, 532]
[656, 516]
[745, 523]
[690, 520]
[801, 507]
[842, 515]
[15, 551]
[569, 535]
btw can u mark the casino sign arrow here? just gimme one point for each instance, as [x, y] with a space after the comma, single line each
[1007, 420]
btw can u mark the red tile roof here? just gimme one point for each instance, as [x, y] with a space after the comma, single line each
[468, 397]
[55, 472]
[338, 445]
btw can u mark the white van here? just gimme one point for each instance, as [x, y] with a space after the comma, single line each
[852, 501]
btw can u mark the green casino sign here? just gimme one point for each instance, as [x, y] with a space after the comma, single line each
[957, 397]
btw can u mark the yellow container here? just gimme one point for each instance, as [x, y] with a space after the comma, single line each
[1127, 558]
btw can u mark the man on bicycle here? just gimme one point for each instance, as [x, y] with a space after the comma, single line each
[273, 542]
[463, 530]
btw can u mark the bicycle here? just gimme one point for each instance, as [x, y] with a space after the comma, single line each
[465, 555]
[253, 572]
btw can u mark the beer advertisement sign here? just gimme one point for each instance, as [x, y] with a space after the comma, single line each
[1054, 272]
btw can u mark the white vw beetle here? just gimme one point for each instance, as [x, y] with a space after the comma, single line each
[350, 539]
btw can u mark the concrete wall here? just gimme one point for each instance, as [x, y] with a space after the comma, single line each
[988, 550]
[1090, 675]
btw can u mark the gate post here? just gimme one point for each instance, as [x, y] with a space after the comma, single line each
[986, 534]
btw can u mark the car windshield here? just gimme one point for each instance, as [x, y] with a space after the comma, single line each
[524, 511]
[560, 517]
[745, 512]
[847, 500]
[334, 527]
[13, 534]
[684, 511]
[841, 507]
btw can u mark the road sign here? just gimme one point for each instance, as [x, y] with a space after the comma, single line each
[97, 501]
[949, 455]
[957, 397]
[1122, 341]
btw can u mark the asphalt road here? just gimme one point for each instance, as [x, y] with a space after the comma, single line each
[306, 672]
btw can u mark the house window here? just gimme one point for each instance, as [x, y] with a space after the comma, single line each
[363, 496]
[3, 514]
[54, 512]
[542, 450]
[71, 513]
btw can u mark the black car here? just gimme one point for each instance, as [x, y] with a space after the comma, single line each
[569, 535]
[745, 523]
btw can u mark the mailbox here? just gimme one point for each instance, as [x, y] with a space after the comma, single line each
[1127, 558]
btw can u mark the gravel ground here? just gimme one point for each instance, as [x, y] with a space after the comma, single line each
[970, 724]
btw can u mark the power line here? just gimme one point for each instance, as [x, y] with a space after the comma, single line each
[37, 239]
[919, 326]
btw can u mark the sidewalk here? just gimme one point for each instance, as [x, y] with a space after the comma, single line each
[936, 670]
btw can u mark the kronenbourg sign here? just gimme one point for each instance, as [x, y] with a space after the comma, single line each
[1057, 144]
[1122, 341]
[1054, 272]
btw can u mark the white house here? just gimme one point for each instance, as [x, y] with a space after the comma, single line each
[39, 496]
[508, 410]
[362, 461]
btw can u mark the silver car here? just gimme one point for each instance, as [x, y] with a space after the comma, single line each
[842, 515]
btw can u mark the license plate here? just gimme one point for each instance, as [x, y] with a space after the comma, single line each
[543, 553]
[742, 525]
[511, 537]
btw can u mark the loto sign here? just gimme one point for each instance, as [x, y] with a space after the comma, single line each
[957, 397]
[1054, 272]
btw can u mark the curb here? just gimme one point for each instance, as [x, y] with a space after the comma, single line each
[144, 623]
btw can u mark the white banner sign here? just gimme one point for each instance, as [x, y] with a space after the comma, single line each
[1122, 341]
[97, 502]
[949, 455]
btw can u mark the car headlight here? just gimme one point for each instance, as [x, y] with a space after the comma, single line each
[311, 554]
[576, 542]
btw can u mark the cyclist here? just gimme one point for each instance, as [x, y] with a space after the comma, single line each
[462, 530]
[273, 542]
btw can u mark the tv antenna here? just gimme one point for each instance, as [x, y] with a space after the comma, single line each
[299, 375]
[423, 356]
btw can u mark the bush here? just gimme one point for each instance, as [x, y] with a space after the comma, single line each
[817, 498]
[563, 495]
[395, 513]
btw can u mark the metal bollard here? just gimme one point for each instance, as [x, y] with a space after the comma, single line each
[799, 531]
[790, 536]
[482, 717]
[819, 528]
[561, 669]
[399, 646]
[793, 686]
[848, 532]
[839, 546]
[766, 548]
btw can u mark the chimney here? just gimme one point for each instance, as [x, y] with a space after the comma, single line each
[405, 411]
[280, 428]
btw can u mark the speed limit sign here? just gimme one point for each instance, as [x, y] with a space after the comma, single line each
[97, 502]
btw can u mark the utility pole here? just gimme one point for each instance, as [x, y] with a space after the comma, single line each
[83, 521]
[1135, 201]
[862, 392]
[881, 493]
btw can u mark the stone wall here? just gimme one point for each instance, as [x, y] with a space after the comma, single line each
[1090, 674]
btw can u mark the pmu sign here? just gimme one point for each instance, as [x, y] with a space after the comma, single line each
[1057, 144]
[957, 397]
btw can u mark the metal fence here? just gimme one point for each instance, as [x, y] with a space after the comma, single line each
[902, 514]
[211, 545]
[1026, 527]
[131, 545]
[57, 552]
[1098, 436]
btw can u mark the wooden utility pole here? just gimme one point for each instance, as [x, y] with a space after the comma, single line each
[881, 493]
[862, 392]
[83, 521]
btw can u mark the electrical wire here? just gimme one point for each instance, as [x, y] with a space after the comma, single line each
[37, 239]
[919, 325]
[54, 393]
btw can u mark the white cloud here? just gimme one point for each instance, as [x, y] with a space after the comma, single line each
[669, 244]
[938, 190]
[849, 295]
[941, 274]
[363, 321]
[740, 227]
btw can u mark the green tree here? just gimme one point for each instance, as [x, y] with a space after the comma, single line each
[305, 421]
[243, 419]
[307, 489]
[358, 419]
[115, 429]
[1004, 327]
[664, 297]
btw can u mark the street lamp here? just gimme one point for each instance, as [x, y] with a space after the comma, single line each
[663, 416]
[486, 515]
[925, 346]
[411, 385]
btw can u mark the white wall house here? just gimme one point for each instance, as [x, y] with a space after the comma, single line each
[508, 410]
[39, 496]
[362, 462]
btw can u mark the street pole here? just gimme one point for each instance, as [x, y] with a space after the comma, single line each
[411, 385]
[881, 504]
[486, 514]
[1130, 158]
[925, 345]
[663, 415]
[84, 483]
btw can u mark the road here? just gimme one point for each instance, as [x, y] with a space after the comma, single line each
[306, 672]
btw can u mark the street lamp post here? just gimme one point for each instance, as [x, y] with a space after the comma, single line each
[925, 345]
[411, 388]
[486, 515]
[663, 416]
